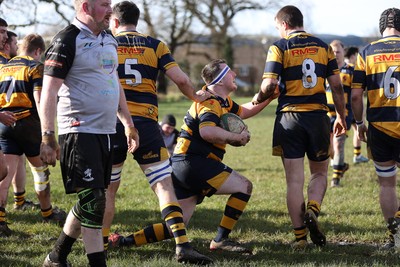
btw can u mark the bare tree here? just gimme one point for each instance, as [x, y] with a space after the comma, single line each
[169, 21]
[218, 15]
[24, 13]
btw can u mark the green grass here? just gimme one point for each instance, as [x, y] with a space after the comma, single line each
[351, 216]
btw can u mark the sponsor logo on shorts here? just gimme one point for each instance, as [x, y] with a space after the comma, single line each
[150, 155]
[88, 175]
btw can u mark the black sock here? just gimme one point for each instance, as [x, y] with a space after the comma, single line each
[97, 259]
[62, 248]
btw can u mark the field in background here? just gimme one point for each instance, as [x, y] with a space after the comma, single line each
[351, 217]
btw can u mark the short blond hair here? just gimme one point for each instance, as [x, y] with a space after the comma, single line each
[337, 43]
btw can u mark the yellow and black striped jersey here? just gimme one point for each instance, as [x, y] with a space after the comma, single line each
[301, 62]
[19, 78]
[140, 59]
[206, 113]
[377, 70]
[3, 59]
[346, 76]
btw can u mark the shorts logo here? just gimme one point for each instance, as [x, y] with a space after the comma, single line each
[150, 155]
[88, 175]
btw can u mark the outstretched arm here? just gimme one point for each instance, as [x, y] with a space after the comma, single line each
[269, 87]
[185, 85]
[250, 110]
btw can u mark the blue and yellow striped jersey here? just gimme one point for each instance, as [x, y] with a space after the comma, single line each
[3, 59]
[19, 78]
[302, 62]
[140, 58]
[346, 76]
[377, 70]
[206, 113]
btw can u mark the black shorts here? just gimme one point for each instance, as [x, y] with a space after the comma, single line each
[382, 147]
[300, 133]
[22, 138]
[151, 144]
[195, 175]
[85, 160]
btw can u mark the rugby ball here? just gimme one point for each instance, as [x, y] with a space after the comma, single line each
[232, 123]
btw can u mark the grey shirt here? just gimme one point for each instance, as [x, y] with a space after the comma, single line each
[89, 96]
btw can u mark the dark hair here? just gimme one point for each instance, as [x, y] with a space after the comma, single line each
[291, 15]
[31, 42]
[352, 50]
[390, 18]
[211, 70]
[127, 13]
[10, 34]
[3, 23]
[169, 119]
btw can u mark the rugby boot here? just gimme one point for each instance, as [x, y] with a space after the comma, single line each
[188, 254]
[360, 159]
[27, 205]
[389, 245]
[229, 245]
[58, 217]
[49, 263]
[335, 182]
[393, 226]
[311, 221]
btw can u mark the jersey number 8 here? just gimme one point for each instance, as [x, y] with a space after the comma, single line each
[309, 76]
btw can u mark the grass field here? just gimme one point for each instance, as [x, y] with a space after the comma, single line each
[351, 216]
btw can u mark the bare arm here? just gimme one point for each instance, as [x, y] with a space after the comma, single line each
[268, 88]
[48, 102]
[36, 96]
[357, 104]
[335, 83]
[126, 119]
[250, 110]
[49, 149]
[185, 85]
[358, 109]
[217, 135]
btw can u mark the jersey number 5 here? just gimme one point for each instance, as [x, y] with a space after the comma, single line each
[129, 62]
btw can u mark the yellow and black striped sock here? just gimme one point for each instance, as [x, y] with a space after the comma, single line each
[47, 212]
[314, 206]
[357, 151]
[106, 232]
[150, 234]
[19, 198]
[172, 215]
[234, 208]
[2, 215]
[300, 233]
[337, 174]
